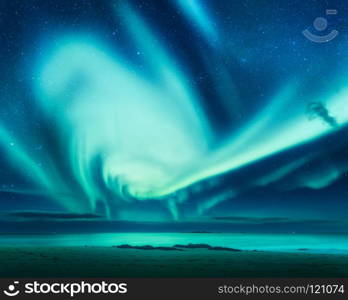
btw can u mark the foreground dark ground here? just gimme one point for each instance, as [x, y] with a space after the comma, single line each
[114, 262]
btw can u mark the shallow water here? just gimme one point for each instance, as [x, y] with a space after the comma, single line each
[313, 243]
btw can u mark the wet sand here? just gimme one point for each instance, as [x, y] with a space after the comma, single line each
[113, 262]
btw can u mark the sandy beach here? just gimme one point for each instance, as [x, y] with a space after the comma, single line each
[95, 261]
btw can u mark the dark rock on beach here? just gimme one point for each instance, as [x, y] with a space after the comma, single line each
[224, 249]
[206, 246]
[193, 246]
[148, 247]
[178, 247]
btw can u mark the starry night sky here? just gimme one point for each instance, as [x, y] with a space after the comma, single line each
[219, 114]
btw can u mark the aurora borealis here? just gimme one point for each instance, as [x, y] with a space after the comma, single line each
[173, 110]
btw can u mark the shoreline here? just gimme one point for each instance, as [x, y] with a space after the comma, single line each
[101, 261]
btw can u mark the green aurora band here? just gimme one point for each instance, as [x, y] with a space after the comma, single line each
[149, 132]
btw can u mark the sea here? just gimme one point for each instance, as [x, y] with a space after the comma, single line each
[336, 243]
